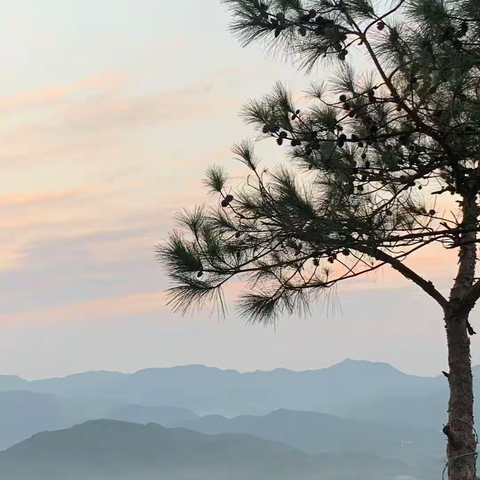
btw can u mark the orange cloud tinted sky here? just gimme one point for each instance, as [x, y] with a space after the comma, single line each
[110, 114]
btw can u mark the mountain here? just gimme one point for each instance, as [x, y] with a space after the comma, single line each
[165, 416]
[408, 408]
[107, 450]
[23, 414]
[428, 411]
[12, 382]
[84, 385]
[314, 433]
[230, 393]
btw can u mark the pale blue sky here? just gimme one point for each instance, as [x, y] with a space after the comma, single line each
[111, 111]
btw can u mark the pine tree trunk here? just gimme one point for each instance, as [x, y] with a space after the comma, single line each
[459, 430]
[462, 443]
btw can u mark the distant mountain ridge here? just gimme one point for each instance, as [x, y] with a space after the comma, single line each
[23, 414]
[207, 390]
[314, 433]
[354, 408]
[344, 365]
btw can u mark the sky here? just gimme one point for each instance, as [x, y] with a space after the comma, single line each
[110, 112]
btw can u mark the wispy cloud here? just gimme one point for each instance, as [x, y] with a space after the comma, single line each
[84, 124]
[95, 310]
[51, 97]
[39, 199]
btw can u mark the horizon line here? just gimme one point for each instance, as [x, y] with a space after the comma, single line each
[209, 367]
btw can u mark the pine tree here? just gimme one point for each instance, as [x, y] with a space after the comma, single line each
[348, 201]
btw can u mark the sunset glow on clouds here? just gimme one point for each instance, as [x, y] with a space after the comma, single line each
[111, 111]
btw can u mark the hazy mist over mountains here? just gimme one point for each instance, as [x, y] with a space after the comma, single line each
[340, 389]
[196, 422]
[109, 449]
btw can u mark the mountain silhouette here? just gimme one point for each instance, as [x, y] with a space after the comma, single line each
[23, 414]
[107, 449]
[314, 433]
[230, 393]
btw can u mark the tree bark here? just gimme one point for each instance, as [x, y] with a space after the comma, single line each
[462, 443]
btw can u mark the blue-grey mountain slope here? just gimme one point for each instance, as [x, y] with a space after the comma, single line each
[23, 414]
[314, 433]
[230, 393]
[107, 450]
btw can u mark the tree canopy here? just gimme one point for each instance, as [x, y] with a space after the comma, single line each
[368, 157]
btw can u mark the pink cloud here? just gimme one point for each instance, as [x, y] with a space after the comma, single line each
[54, 95]
[90, 122]
[35, 199]
[94, 310]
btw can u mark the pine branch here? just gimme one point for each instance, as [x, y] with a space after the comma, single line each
[361, 151]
